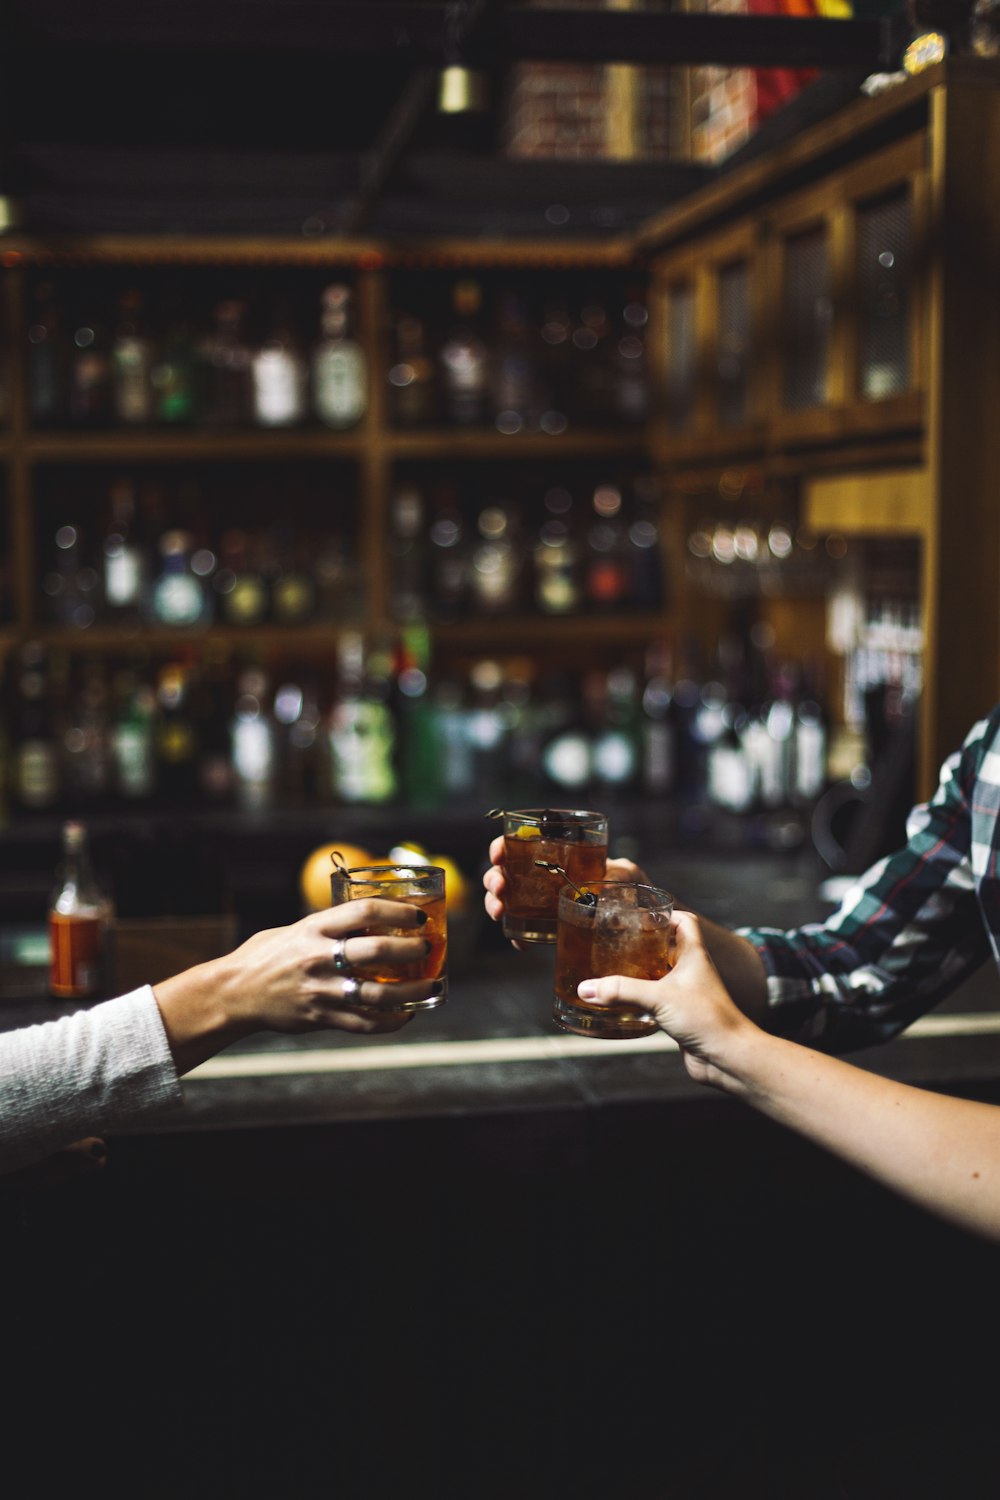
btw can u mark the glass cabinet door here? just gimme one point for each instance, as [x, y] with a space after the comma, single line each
[807, 318]
[681, 356]
[884, 238]
[733, 347]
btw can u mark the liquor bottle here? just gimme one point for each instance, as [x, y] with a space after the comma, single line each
[629, 383]
[35, 767]
[360, 728]
[513, 383]
[449, 558]
[497, 560]
[174, 375]
[810, 758]
[338, 587]
[225, 358]
[606, 574]
[408, 559]
[242, 591]
[593, 377]
[124, 560]
[557, 368]
[412, 376]
[48, 366]
[175, 736]
[420, 742]
[465, 359]
[566, 761]
[659, 738]
[291, 586]
[90, 372]
[131, 363]
[279, 374]
[212, 713]
[178, 596]
[134, 768]
[730, 770]
[86, 738]
[524, 717]
[643, 545]
[489, 722]
[486, 724]
[616, 750]
[299, 751]
[253, 742]
[71, 586]
[458, 777]
[339, 365]
[558, 584]
[80, 914]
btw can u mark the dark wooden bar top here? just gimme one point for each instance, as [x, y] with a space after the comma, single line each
[493, 1047]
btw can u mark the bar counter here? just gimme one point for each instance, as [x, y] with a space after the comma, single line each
[494, 1047]
[480, 1256]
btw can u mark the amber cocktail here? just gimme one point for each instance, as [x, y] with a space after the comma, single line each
[626, 929]
[417, 885]
[575, 840]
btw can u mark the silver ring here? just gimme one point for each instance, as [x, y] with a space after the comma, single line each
[351, 991]
[340, 964]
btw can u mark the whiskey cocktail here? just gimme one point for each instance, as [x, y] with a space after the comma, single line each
[575, 840]
[625, 929]
[416, 885]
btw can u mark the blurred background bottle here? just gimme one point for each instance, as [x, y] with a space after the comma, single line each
[79, 920]
[339, 364]
[280, 373]
[224, 358]
[132, 354]
[465, 359]
[412, 376]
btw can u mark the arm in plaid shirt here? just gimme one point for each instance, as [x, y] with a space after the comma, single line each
[910, 930]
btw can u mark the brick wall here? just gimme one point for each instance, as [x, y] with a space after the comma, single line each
[575, 111]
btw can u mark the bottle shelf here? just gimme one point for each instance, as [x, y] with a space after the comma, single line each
[527, 630]
[454, 442]
[181, 447]
[476, 633]
[122, 446]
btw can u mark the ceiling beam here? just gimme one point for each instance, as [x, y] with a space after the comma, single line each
[419, 32]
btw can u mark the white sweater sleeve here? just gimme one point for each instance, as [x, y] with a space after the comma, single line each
[90, 1072]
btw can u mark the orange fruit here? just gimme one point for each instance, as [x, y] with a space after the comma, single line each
[317, 867]
[456, 886]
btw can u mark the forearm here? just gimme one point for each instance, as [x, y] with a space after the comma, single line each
[941, 1153]
[200, 1012]
[740, 967]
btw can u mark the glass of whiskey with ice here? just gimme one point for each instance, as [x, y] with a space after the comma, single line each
[610, 927]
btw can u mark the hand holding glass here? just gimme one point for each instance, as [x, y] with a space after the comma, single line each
[416, 885]
[625, 930]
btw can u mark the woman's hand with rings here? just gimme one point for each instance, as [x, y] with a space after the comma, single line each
[292, 979]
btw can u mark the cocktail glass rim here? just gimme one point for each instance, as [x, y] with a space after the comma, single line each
[540, 815]
[670, 900]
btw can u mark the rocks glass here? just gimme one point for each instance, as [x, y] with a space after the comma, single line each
[417, 885]
[575, 840]
[625, 930]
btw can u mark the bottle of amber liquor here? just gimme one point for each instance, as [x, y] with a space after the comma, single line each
[79, 918]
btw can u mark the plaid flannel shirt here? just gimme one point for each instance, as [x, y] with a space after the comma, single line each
[910, 929]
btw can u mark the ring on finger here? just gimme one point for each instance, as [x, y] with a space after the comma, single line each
[351, 991]
[340, 964]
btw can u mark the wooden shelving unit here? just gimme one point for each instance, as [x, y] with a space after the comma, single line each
[914, 155]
